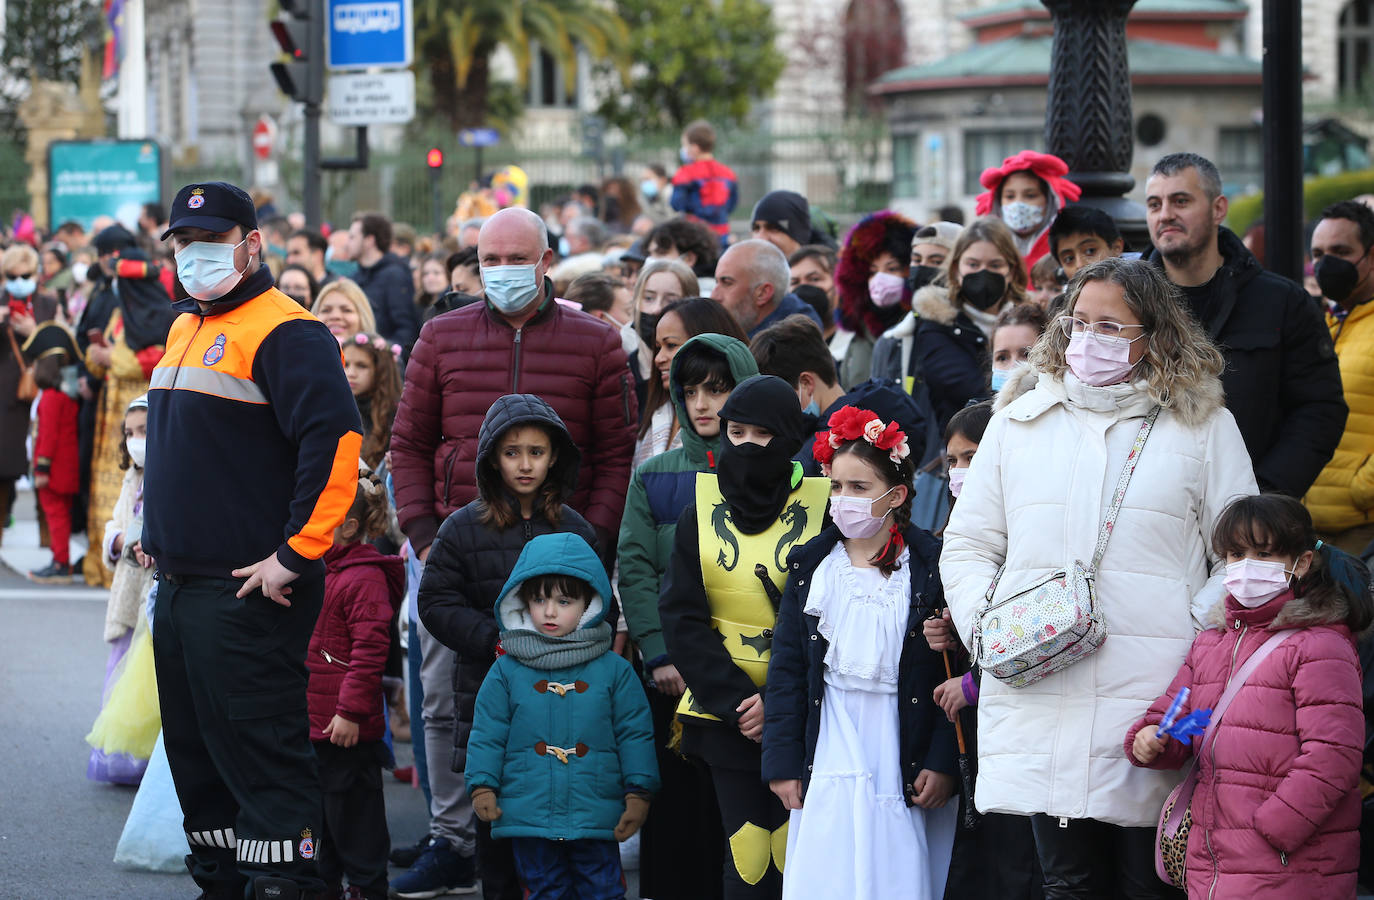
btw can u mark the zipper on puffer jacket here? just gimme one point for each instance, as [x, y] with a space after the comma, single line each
[1212, 748]
[515, 363]
[334, 660]
[625, 397]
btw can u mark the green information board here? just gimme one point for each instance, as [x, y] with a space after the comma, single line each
[89, 179]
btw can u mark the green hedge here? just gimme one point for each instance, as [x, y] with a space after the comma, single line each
[1317, 194]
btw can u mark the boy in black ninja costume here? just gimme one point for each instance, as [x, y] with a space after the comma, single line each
[718, 606]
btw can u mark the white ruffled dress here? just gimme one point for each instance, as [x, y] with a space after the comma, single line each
[854, 835]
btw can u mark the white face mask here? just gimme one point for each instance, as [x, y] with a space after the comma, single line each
[138, 450]
[206, 269]
[1254, 582]
[80, 271]
[1021, 216]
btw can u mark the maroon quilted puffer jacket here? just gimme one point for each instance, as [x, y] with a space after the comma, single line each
[362, 591]
[1276, 812]
[463, 362]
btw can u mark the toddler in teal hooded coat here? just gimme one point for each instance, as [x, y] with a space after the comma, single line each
[562, 742]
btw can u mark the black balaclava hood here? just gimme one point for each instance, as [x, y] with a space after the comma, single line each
[788, 211]
[756, 481]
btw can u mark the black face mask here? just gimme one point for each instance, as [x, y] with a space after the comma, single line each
[983, 288]
[648, 327]
[1337, 277]
[920, 277]
[755, 481]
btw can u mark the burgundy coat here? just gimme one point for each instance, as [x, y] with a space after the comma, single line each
[465, 360]
[362, 591]
[1276, 812]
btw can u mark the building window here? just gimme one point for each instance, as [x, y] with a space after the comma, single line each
[1355, 44]
[547, 87]
[874, 43]
[906, 182]
[987, 149]
[1240, 157]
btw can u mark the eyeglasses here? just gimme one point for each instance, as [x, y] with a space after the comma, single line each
[1074, 326]
[18, 275]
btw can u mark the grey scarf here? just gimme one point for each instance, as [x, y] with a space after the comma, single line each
[544, 651]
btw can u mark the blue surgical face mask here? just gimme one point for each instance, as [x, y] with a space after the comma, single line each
[206, 269]
[20, 288]
[510, 289]
[813, 408]
[682, 155]
[563, 249]
[649, 188]
[999, 378]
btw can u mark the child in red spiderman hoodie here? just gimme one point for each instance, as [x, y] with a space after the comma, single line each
[362, 591]
[704, 188]
[56, 469]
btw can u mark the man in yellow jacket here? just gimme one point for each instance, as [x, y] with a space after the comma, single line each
[1342, 499]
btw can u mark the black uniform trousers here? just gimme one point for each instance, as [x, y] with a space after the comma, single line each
[231, 684]
[355, 839]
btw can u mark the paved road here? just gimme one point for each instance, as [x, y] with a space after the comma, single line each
[57, 830]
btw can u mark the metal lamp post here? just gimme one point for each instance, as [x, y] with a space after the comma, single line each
[1088, 121]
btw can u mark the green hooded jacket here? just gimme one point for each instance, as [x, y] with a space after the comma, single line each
[659, 491]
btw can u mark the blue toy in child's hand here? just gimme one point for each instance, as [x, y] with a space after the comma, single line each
[1193, 723]
[1182, 729]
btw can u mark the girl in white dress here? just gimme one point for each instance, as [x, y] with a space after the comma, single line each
[852, 743]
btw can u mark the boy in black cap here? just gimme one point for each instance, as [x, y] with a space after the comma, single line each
[783, 218]
[718, 605]
[252, 460]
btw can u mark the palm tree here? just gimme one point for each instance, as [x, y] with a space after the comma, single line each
[456, 39]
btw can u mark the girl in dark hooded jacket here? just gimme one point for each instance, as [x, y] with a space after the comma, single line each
[526, 469]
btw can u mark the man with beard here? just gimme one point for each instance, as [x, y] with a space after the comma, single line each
[1282, 382]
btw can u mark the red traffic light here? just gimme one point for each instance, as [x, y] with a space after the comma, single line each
[434, 158]
[288, 38]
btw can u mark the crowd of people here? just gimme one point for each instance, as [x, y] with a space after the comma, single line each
[890, 565]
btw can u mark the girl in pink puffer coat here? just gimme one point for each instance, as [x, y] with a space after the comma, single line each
[1276, 811]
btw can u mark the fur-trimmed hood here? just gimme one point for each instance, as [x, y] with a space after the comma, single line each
[1033, 392]
[864, 243]
[932, 303]
[1328, 607]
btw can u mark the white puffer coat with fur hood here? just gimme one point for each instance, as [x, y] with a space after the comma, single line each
[1040, 484]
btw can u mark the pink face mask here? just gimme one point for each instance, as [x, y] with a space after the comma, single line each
[854, 515]
[1099, 361]
[886, 289]
[956, 480]
[1254, 582]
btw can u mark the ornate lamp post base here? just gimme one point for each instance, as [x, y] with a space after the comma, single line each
[1088, 121]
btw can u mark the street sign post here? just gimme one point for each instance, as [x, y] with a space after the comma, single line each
[477, 138]
[372, 99]
[370, 34]
[264, 138]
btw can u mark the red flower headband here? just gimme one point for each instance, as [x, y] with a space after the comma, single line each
[849, 423]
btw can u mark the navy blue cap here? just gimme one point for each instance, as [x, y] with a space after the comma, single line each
[213, 205]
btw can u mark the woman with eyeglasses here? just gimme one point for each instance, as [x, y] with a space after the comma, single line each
[1035, 500]
[953, 318]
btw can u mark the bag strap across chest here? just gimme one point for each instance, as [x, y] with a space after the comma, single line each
[1109, 522]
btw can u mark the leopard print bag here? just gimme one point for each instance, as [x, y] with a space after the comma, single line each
[1176, 818]
[1171, 839]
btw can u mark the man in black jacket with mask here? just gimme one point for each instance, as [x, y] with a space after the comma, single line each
[1282, 382]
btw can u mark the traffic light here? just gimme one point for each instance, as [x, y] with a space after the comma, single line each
[300, 35]
[434, 158]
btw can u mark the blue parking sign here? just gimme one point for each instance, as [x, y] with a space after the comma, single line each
[370, 33]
